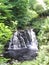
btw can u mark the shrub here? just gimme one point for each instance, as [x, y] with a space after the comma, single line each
[43, 35]
[5, 33]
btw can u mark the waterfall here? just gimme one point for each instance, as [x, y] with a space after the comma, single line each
[22, 46]
[34, 42]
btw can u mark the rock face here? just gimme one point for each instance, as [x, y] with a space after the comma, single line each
[22, 46]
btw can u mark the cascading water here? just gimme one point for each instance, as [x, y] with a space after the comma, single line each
[22, 46]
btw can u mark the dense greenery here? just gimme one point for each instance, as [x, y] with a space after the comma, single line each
[43, 34]
[21, 14]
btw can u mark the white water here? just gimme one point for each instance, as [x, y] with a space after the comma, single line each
[19, 40]
[34, 42]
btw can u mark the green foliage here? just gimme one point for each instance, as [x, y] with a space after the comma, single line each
[19, 10]
[26, 20]
[16, 10]
[1, 48]
[43, 35]
[47, 3]
[5, 33]
[21, 14]
[3, 61]
[38, 8]
[36, 24]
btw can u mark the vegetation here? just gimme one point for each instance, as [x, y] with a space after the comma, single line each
[21, 14]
